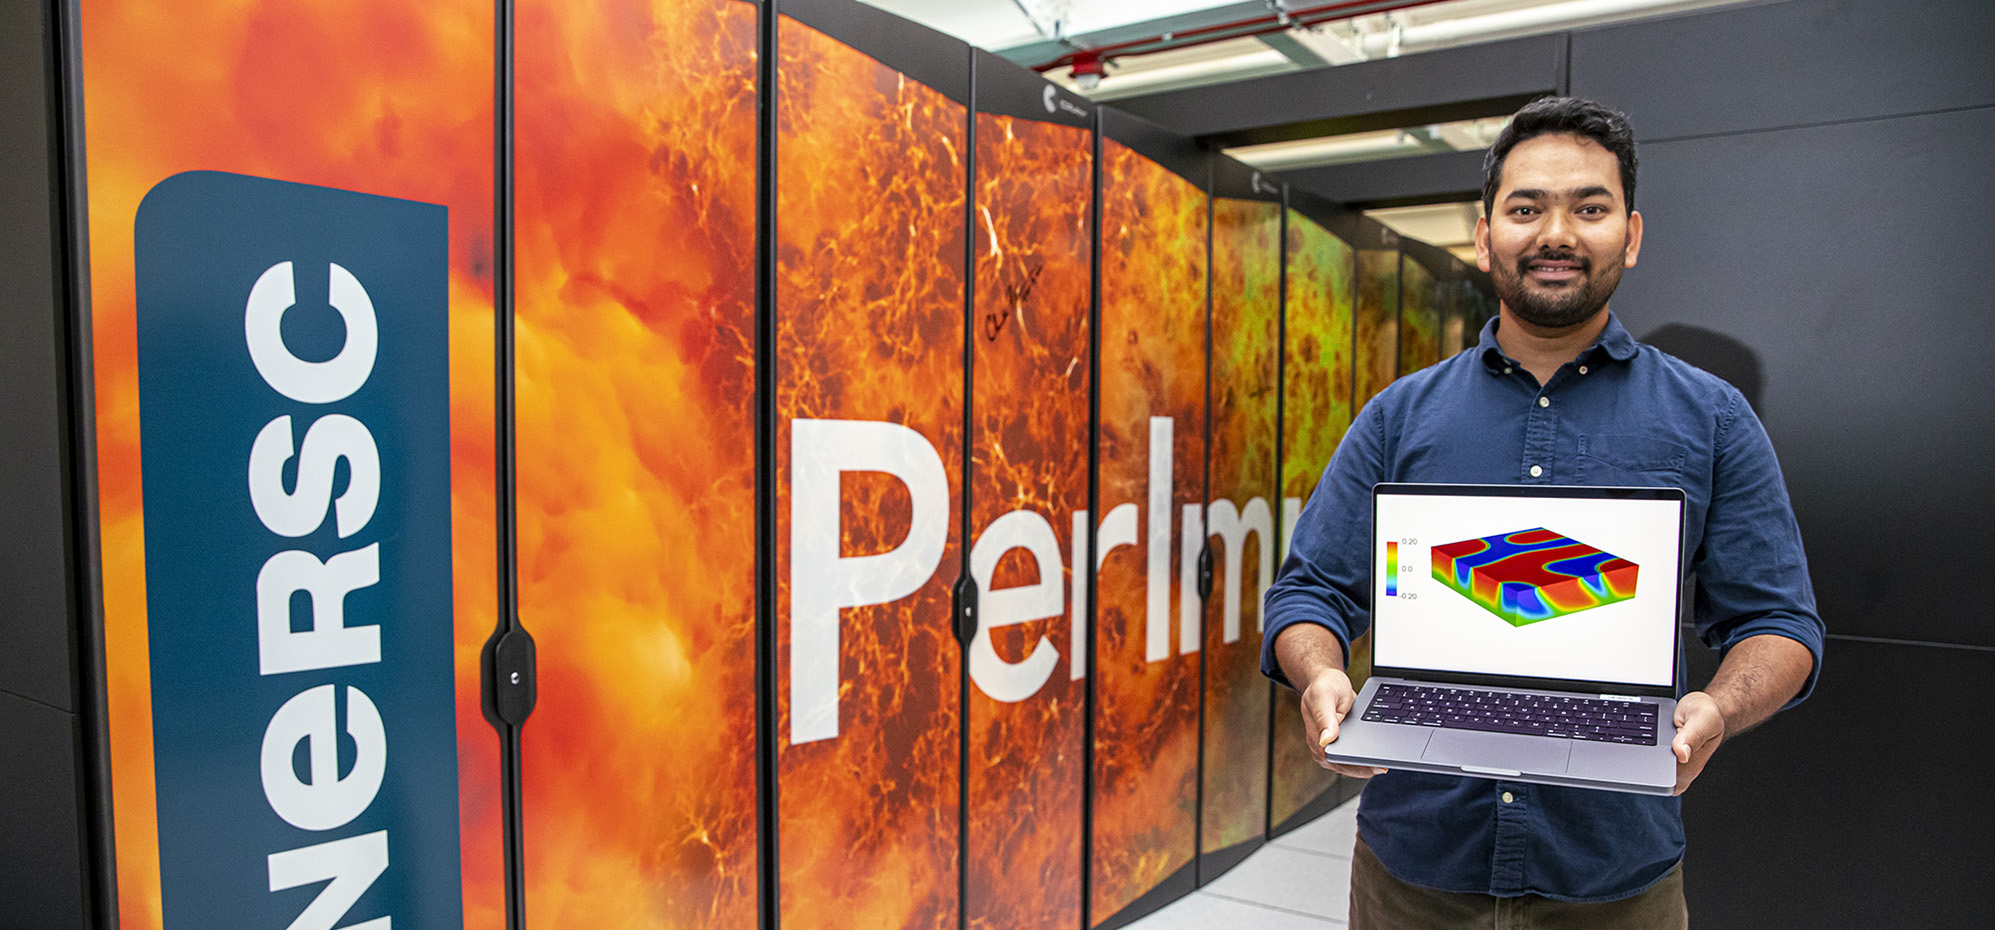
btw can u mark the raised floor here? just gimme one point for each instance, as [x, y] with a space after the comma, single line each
[1299, 881]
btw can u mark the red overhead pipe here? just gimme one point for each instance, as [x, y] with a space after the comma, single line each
[1094, 60]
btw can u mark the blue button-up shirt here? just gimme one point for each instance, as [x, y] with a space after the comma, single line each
[1621, 414]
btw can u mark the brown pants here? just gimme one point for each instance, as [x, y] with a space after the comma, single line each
[1382, 902]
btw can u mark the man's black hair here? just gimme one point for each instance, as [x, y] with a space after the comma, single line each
[1576, 115]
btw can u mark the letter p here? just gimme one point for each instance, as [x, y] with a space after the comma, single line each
[821, 582]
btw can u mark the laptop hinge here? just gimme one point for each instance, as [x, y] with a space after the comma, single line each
[1621, 697]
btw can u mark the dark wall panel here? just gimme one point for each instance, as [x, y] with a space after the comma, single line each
[1785, 64]
[1860, 808]
[42, 864]
[34, 601]
[1831, 275]
[41, 853]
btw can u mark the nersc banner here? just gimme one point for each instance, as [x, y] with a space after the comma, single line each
[294, 395]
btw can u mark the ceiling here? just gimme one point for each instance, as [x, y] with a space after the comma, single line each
[1187, 50]
[1149, 46]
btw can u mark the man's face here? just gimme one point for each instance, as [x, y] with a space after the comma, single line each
[1560, 234]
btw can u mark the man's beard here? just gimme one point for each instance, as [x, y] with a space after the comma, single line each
[1568, 306]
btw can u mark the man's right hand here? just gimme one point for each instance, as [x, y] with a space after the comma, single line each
[1311, 656]
[1325, 701]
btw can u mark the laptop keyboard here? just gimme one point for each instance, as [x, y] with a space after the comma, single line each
[1512, 712]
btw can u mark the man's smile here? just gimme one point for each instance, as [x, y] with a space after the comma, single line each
[1555, 270]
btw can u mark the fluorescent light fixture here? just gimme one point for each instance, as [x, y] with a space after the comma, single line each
[1460, 136]
[1151, 73]
[1085, 16]
[1331, 150]
[1444, 224]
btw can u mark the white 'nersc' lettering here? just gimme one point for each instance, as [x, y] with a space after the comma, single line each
[297, 513]
[337, 378]
[348, 866]
[329, 643]
[323, 800]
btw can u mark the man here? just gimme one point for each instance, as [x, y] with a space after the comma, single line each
[1556, 392]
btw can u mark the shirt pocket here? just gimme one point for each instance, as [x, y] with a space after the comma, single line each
[1630, 459]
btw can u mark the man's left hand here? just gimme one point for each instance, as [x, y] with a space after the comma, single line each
[1700, 727]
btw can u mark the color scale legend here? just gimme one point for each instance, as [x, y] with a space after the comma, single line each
[1392, 569]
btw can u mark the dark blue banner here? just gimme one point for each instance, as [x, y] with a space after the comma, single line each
[294, 401]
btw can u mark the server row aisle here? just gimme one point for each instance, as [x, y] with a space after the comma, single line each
[681, 463]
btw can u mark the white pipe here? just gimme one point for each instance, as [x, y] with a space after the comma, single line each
[1509, 23]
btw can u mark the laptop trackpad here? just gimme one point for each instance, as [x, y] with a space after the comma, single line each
[1499, 751]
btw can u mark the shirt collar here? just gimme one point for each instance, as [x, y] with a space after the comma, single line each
[1614, 341]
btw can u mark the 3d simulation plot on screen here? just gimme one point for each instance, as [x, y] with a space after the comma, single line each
[1532, 575]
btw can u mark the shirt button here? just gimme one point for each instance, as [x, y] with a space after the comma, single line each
[1582, 369]
[1507, 797]
[1544, 402]
[1537, 472]
[1506, 371]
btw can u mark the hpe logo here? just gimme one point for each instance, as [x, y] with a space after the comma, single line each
[1055, 103]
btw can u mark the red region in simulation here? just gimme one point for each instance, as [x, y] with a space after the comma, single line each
[1532, 575]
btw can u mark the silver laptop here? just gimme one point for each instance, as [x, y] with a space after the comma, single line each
[1527, 633]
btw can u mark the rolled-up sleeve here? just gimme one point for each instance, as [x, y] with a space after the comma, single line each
[1326, 578]
[1752, 574]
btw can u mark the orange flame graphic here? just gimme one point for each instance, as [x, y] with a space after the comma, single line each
[1029, 452]
[1455, 310]
[636, 235]
[1419, 317]
[1377, 322]
[1376, 325]
[1316, 373]
[1316, 410]
[1246, 306]
[1378, 336]
[870, 187]
[385, 98]
[1153, 309]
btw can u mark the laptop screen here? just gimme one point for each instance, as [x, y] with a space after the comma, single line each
[1579, 584]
